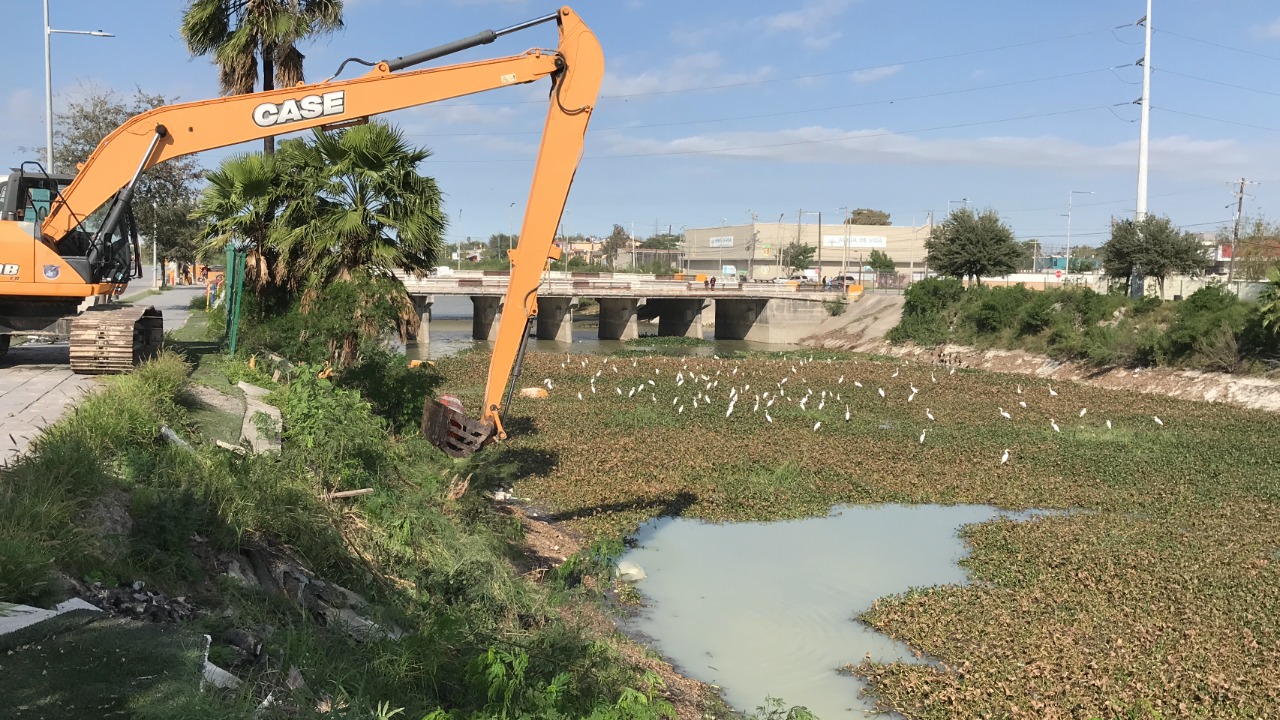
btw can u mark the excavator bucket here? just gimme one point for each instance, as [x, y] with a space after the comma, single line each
[446, 425]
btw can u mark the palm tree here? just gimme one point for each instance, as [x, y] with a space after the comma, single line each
[241, 33]
[357, 210]
[239, 204]
[357, 201]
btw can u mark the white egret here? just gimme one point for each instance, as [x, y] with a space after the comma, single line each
[817, 425]
[1005, 414]
[846, 413]
[1004, 458]
[857, 384]
[1054, 424]
[1052, 392]
[840, 380]
[579, 394]
[911, 397]
[1108, 424]
[933, 378]
[928, 413]
[1158, 420]
[1083, 411]
[766, 416]
[619, 391]
[1019, 389]
[881, 391]
[1022, 404]
[922, 434]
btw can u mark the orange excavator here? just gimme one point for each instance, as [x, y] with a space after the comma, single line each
[68, 245]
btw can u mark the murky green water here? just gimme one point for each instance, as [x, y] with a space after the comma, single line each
[766, 609]
[451, 334]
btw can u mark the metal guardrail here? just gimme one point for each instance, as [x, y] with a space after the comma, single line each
[478, 284]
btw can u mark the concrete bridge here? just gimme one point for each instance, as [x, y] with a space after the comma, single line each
[760, 312]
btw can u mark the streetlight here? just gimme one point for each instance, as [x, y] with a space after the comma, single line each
[1066, 277]
[844, 262]
[48, 82]
[961, 200]
[819, 214]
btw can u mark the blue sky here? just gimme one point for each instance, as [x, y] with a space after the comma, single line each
[713, 110]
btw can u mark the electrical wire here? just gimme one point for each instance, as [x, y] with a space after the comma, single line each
[1215, 44]
[1214, 119]
[794, 143]
[811, 76]
[784, 113]
[1214, 82]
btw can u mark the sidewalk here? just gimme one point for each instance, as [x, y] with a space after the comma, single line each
[37, 385]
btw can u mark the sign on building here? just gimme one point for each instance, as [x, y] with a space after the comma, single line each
[730, 270]
[723, 241]
[855, 241]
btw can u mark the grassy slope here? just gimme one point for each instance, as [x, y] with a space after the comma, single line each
[478, 641]
[1162, 598]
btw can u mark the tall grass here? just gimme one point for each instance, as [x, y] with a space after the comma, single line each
[476, 640]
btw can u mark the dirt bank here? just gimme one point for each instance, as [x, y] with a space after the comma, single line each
[1256, 393]
[861, 327]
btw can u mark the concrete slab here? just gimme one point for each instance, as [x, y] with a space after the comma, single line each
[37, 386]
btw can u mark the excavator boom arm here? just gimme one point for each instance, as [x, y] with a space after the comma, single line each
[194, 127]
[576, 70]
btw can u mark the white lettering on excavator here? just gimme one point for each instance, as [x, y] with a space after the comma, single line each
[305, 108]
[8, 269]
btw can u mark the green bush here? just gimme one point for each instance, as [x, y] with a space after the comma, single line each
[395, 391]
[1209, 311]
[1000, 309]
[1037, 314]
[932, 295]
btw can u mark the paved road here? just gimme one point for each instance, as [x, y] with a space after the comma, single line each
[37, 385]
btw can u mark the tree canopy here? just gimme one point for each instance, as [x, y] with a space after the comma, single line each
[165, 194]
[617, 240]
[1154, 248]
[239, 35]
[972, 245]
[661, 241]
[867, 216]
[880, 262]
[798, 256]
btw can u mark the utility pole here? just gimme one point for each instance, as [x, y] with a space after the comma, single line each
[1235, 233]
[751, 249]
[1144, 135]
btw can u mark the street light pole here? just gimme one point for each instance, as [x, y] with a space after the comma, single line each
[1066, 275]
[48, 82]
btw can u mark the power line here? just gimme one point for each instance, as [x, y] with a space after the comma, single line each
[1215, 82]
[829, 73]
[1215, 119]
[842, 138]
[782, 113]
[1218, 44]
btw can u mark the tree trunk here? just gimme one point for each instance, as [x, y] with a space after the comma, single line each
[268, 83]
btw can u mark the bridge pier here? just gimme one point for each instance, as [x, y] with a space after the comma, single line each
[776, 321]
[555, 318]
[422, 306]
[486, 313]
[618, 319]
[678, 317]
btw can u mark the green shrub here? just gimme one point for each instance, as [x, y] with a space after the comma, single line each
[1205, 314]
[932, 295]
[927, 330]
[395, 391]
[199, 302]
[1037, 314]
[999, 309]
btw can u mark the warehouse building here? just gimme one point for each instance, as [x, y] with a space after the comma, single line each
[755, 250]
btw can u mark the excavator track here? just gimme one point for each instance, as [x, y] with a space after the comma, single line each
[112, 339]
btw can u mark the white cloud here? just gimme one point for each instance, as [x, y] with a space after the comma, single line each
[813, 22]
[876, 74]
[681, 73]
[1180, 155]
[1269, 30]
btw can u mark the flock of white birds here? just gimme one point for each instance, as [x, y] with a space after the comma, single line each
[695, 387]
